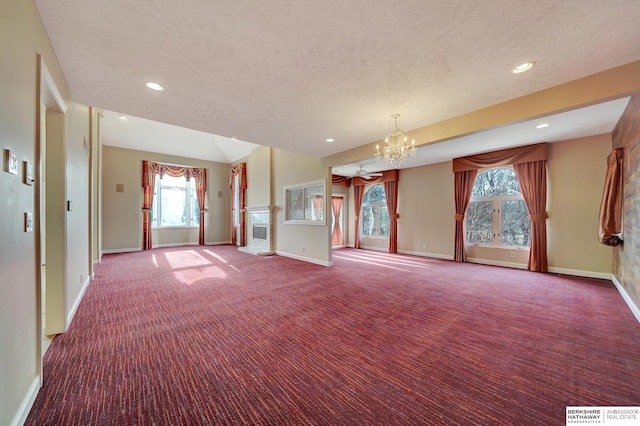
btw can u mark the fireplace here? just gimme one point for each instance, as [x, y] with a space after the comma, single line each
[259, 227]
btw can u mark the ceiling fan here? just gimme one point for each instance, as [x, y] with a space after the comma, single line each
[366, 175]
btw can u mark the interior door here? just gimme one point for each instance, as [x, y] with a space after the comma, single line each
[42, 224]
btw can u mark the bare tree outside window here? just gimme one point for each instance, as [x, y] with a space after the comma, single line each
[375, 216]
[497, 214]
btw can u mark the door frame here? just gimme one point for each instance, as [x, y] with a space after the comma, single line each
[48, 99]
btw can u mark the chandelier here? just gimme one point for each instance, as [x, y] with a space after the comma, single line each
[396, 148]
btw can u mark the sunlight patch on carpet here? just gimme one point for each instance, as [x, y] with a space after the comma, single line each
[185, 259]
[190, 276]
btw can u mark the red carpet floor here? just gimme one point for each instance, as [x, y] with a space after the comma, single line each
[209, 335]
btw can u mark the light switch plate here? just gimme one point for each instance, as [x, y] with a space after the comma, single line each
[28, 222]
[28, 172]
[11, 162]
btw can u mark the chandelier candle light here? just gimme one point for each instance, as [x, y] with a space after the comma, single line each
[396, 148]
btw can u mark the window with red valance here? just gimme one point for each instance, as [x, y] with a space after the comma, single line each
[151, 170]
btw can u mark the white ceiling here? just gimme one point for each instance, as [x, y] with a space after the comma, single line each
[290, 74]
[146, 135]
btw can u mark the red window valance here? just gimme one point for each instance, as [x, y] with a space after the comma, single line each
[504, 157]
[340, 180]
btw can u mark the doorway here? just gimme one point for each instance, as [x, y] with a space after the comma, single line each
[50, 200]
[337, 221]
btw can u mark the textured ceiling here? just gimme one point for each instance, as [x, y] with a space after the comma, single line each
[289, 74]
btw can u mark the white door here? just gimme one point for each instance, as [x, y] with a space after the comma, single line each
[42, 222]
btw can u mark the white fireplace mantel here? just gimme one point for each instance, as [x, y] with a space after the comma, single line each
[259, 231]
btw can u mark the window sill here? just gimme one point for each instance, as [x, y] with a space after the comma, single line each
[305, 222]
[156, 228]
[510, 248]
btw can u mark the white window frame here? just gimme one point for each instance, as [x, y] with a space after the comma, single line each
[496, 200]
[190, 190]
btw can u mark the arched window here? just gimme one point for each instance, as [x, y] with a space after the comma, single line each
[375, 216]
[497, 214]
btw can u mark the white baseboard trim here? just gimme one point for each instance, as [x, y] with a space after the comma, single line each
[553, 270]
[304, 259]
[129, 250]
[580, 273]
[27, 403]
[423, 254]
[124, 250]
[634, 309]
[497, 263]
[76, 303]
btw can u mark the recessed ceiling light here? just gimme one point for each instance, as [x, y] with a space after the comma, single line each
[542, 125]
[329, 139]
[155, 86]
[523, 67]
[122, 117]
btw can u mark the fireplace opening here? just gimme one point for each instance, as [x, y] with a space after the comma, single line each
[260, 232]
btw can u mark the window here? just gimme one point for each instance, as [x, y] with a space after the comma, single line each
[304, 203]
[375, 216]
[497, 214]
[175, 203]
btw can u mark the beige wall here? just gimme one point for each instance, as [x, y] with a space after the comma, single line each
[310, 242]
[576, 172]
[259, 177]
[426, 209]
[22, 37]
[122, 211]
